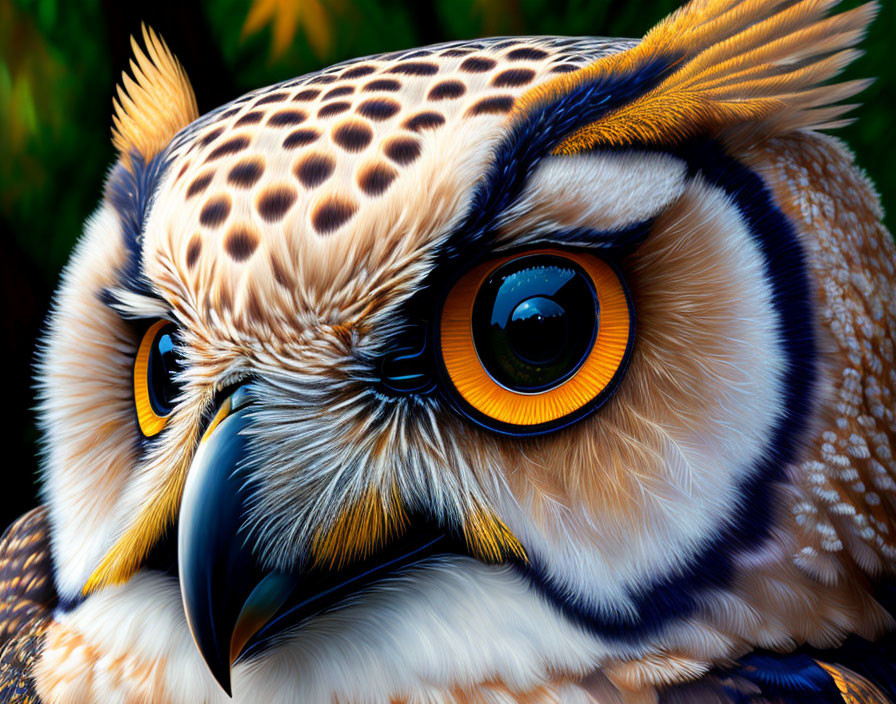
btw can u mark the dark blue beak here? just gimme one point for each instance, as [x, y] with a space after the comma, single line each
[227, 596]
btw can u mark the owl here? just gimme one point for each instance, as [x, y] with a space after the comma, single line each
[530, 369]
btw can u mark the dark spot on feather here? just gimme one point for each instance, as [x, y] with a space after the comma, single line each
[383, 84]
[182, 171]
[495, 104]
[215, 210]
[526, 53]
[402, 150]
[211, 137]
[314, 169]
[447, 90]
[357, 71]
[332, 213]
[272, 98]
[193, 250]
[300, 137]
[305, 95]
[352, 136]
[286, 117]
[246, 173]
[231, 146]
[338, 91]
[240, 243]
[477, 64]
[415, 68]
[457, 52]
[513, 77]
[280, 275]
[274, 202]
[424, 121]
[200, 183]
[376, 178]
[322, 80]
[333, 108]
[379, 108]
[250, 118]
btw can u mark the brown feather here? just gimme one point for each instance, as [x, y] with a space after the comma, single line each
[27, 600]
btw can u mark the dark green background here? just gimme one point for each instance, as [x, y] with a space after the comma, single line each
[60, 60]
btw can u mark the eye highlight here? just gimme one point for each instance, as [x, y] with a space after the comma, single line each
[532, 341]
[155, 370]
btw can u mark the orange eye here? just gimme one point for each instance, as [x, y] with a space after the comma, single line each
[155, 377]
[533, 341]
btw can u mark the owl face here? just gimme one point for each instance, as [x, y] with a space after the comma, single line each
[448, 331]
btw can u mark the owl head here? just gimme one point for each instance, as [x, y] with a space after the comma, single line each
[511, 361]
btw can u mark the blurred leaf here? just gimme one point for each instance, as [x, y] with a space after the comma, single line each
[499, 16]
[29, 104]
[285, 18]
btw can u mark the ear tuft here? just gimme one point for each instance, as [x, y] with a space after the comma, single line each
[738, 69]
[155, 104]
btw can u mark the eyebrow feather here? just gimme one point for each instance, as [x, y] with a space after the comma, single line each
[135, 305]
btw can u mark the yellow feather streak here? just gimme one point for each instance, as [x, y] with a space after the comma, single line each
[359, 529]
[129, 551]
[155, 104]
[854, 688]
[740, 68]
[362, 528]
[489, 539]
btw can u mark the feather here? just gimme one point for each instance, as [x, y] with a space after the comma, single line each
[854, 688]
[27, 600]
[155, 104]
[734, 66]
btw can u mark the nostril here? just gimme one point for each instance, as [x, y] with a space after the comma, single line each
[408, 369]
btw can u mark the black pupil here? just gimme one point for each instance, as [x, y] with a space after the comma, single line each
[163, 366]
[538, 330]
[534, 322]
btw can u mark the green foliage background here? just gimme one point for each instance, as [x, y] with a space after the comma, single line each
[60, 60]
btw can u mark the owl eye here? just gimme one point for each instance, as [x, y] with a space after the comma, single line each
[531, 342]
[533, 322]
[155, 374]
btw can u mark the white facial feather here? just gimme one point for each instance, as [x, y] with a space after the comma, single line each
[605, 192]
[85, 378]
[419, 635]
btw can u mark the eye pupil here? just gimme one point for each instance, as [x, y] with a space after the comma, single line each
[538, 330]
[162, 370]
[534, 322]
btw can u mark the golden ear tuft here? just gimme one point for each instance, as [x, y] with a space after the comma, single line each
[155, 104]
[737, 69]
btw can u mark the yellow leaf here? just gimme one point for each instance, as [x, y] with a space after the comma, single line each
[286, 17]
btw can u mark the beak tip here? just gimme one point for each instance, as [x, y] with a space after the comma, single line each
[220, 668]
[223, 678]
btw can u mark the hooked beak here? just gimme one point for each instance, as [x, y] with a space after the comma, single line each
[232, 604]
[227, 597]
